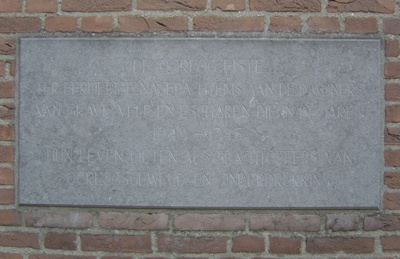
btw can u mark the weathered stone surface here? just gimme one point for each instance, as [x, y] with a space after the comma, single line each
[200, 122]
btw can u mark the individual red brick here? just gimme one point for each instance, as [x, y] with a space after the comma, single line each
[386, 222]
[248, 244]
[209, 222]
[6, 176]
[135, 221]
[6, 132]
[63, 241]
[390, 243]
[391, 25]
[392, 157]
[284, 245]
[392, 48]
[12, 67]
[285, 222]
[392, 69]
[368, 6]
[323, 24]
[41, 6]
[286, 5]
[229, 5]
[342, 222]
[7, 46]
[10, 256]
[2, 68]
[88, 6]
[10, 218]
[215, 23]
[6, 196]
[19, 239]
[6, 154]
[9, 6]
[391, 201]
[162, 5]
[393, 113]
[192, 244]
[60, 24]
[392, 179]
[353, 245]
[116, 243]
[47, 256]
[7, 111]
[392, 136]
[392, 92]
[141, 24]
[58, 219]
[361, 25]
[285, 24]
[97, 24]
[7, 89]
[20, 24]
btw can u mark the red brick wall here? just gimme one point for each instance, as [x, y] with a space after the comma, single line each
[67, 233]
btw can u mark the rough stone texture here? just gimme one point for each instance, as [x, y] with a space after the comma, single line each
[136, 221]
[216, 23]
[41, 6]
[191, 141]
[285, 222]
[192, 244]
[323, 245]
[323, 24]
[286, 5]
[284, 245]
[361, 25]
[60, 24]
[168, 5]
[389, 222]
[248, 244]
[96, 5]
[141, 24]
[342, 222]
[229, 5]
[64, 241]
[58, 219]
[209, 222]
[371, 6]
[116, 243]
[285, 24]
[392, 179]
[10, 6]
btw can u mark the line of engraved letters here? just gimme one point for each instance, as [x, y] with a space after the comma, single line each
[176, 179]
[198, 88]
[198, 157]
[202, 111]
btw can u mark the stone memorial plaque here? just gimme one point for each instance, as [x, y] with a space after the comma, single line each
[205, 123]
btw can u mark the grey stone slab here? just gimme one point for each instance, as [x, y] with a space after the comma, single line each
[213, 123]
